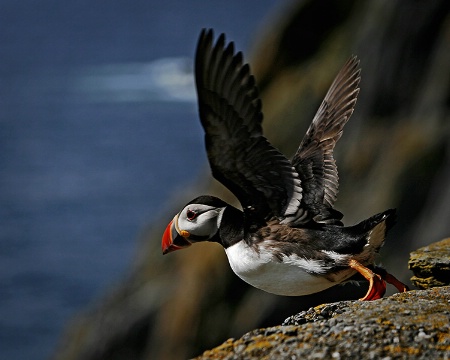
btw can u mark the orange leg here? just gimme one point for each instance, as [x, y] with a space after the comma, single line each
[377, 286]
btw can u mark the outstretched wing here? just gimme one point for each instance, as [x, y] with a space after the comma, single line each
[314, 160]
[241, 158]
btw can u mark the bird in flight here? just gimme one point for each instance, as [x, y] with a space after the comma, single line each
[288, 239]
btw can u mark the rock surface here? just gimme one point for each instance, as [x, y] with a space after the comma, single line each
[413, 325]
[431, 265]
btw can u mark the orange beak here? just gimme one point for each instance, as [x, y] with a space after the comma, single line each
[171, 240]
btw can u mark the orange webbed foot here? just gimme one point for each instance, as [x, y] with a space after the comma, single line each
[377, 286]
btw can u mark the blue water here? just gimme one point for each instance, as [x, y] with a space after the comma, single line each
[97, 128]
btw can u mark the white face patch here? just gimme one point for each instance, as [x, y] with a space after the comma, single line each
[200, 220]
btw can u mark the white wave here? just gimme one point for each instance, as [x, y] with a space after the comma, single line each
[165, 79]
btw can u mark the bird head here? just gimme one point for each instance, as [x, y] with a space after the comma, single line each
[197, 221]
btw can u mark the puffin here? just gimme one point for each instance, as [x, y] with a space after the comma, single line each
[286, 239]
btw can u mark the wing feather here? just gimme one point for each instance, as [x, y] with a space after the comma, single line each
[241, 158]
[314, 159]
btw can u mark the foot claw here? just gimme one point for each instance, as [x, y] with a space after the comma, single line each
[391, 279]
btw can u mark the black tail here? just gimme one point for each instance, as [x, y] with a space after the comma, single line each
[388, 216]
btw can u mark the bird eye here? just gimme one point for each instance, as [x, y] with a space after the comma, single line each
[191, 215]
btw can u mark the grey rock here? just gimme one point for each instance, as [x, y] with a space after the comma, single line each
[405, 325]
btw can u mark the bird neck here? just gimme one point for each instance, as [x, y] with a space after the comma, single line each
[231, 228]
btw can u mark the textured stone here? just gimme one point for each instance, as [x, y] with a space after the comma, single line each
[431, 265]
[413, 325]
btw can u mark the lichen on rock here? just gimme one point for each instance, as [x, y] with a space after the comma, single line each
[413, 325]
[431, 265]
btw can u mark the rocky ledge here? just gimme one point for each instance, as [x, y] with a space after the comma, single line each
[413, 325]
[431, 265]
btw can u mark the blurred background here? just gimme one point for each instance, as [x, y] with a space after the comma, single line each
[101, 145]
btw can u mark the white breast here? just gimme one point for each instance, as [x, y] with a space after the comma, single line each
[287, 277]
